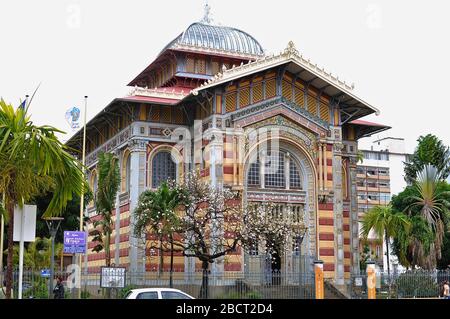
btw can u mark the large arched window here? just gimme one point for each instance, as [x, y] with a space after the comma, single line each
[163, 168]
[127, 174]
[276, 170]
[93, 183]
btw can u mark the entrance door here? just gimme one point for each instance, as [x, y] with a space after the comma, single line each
[276, 265]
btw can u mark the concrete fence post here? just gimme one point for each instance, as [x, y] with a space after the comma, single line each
[371, 280]
[318, 271]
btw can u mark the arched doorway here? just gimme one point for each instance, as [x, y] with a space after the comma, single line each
[283, 174]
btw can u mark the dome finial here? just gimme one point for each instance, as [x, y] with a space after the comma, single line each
[207, 14]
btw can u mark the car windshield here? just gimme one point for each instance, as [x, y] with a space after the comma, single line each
[128, 294]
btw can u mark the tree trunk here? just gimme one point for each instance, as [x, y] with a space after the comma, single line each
[171, 262]
[388, 264]
[204, 288]
[9, 262]
[387, 254]
[108, 259]
[108, 250]
[161, 256]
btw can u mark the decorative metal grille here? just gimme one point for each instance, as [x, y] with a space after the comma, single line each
[201, 66]
[165, 116]
[324, 112]
[154, 113]
[257, 92]
[286, 89]
[270, 88]
[230, 102]
[163, 169]
[190, 65]
[299, 97]
[244, 97]
[312, 104]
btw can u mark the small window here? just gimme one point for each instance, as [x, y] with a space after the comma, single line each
[173, 295]
[148, 295]
[163, 169]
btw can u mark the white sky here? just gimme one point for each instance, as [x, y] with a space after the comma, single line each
[396, 52]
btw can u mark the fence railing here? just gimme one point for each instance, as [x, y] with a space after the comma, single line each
[227, 285]
[408, 284]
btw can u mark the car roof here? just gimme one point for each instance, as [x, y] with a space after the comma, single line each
[156, 289]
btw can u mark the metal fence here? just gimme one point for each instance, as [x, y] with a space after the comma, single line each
[228, 285]
[403, 285]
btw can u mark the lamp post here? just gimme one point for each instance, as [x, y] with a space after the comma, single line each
[53, 225]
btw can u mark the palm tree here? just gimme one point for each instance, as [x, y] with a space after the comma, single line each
[157, 210]
[108, 186]
[433, 205]
[384, 221]
[359, 157]
[32, 162]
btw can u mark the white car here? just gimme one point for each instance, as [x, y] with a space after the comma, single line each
[157, 293]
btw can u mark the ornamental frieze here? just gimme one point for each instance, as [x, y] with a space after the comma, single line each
[284, 128]
[279, 101]
[276, 197]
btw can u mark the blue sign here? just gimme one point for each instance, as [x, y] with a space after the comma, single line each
[74, 242]
[45, 273]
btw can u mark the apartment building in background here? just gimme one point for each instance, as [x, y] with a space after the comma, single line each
[379, 177]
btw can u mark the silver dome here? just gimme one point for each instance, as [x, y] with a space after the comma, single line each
[218, 38]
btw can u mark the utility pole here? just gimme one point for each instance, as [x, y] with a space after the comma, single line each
[82, 193]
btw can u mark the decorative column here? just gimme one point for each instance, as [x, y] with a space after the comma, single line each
[338, 207]
[216, 169]
[137, 186]
[354, 239]
[287, 163]
[325, 167]
[320, 168]
[117, 222]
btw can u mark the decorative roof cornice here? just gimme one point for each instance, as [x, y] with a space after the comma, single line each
[290, 53]
[166, 93]
[213, 51]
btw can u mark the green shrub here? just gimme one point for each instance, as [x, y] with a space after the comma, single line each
[124, 291]
[413, 284]
[85, 294]
[38, 290]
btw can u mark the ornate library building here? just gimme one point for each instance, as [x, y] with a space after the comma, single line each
[213, 101]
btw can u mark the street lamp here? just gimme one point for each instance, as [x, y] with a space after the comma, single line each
[53, 225]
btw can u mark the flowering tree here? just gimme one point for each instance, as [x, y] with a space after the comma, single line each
[273, 228]
[210, 224]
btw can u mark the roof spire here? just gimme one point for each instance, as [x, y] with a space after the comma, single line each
[207, 14]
